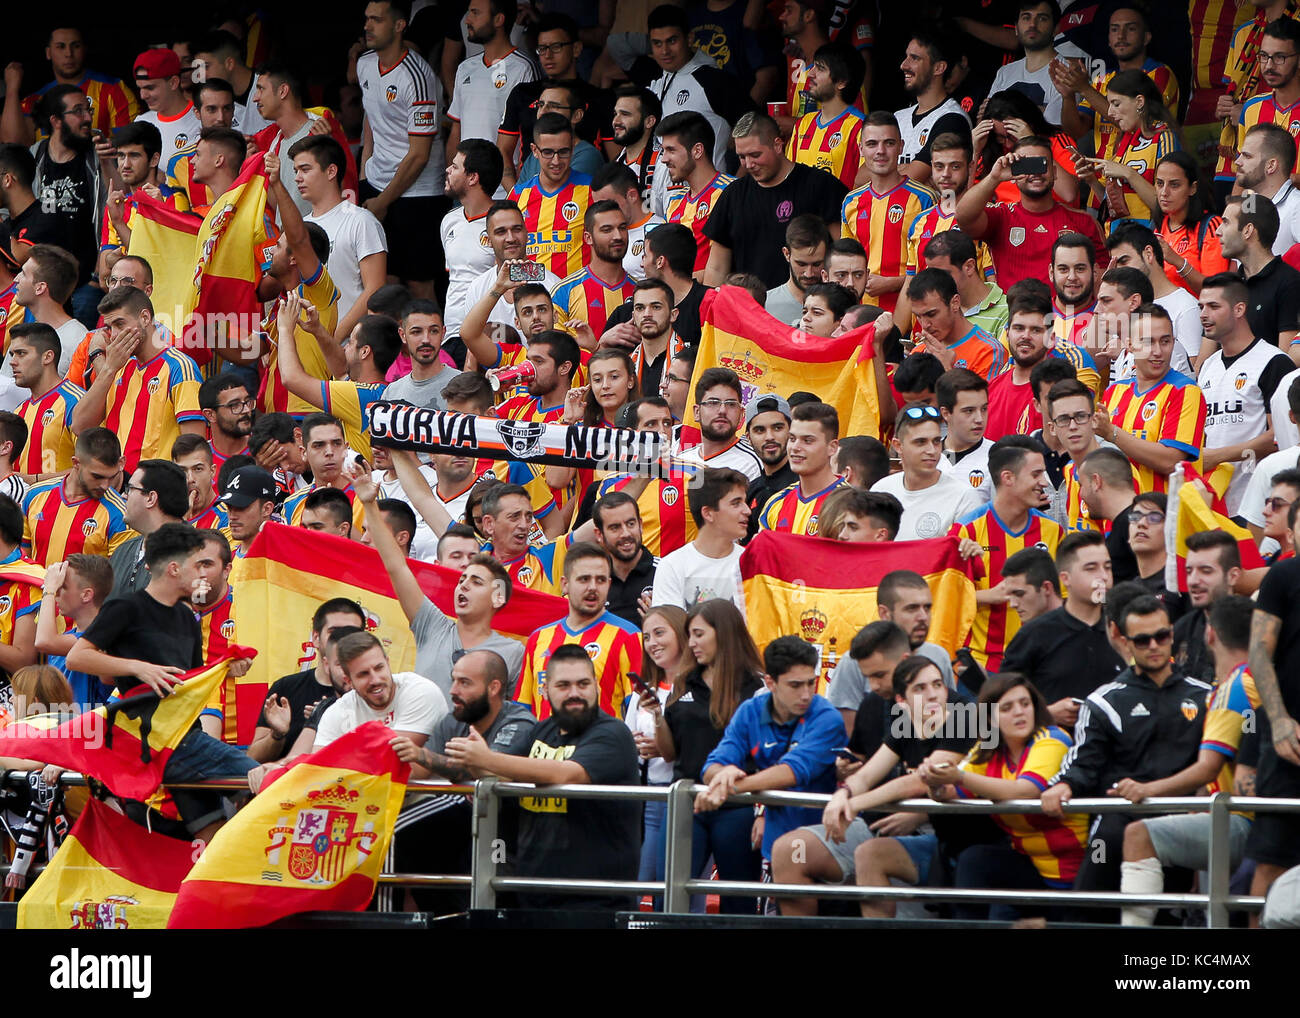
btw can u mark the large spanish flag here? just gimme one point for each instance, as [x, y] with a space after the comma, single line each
[109, 874]
[315, 839]
[771, 357]
[233, 252]
[825, 591]
[1190, 511]
[290, 571]
[125, 744]
[167, 239]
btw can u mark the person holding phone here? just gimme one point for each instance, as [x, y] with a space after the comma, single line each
[1188, 226]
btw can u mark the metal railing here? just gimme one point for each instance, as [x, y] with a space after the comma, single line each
[679, 883]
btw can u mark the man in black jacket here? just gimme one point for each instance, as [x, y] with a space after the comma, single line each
[1213, 568]
[1145, 725]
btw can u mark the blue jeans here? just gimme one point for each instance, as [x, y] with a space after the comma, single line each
[652, 842]
[724, 834]
[200, 756]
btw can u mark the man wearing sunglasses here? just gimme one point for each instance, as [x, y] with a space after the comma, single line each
[1144, 726]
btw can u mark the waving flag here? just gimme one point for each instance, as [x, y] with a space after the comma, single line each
[234, 248]
[825, 591]
[314, 839]
[109, 874]
[1190, 511]
[771, 357]
[167, 240]
[289, 571]
[125, 744]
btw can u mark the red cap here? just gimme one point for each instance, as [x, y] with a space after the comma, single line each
[157, 63]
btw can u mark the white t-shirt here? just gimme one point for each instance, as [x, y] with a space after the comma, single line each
[932, 511]
[972, 469]
[659, 771]
[424, 542]
[416, 707]
[916, 133]
[479, 100]
[465, 242]
[248, 119]
[685, 578]
[1185, 314]
[636, 244]
[1261, 483]
[739, 455]
[1285, 431]
[177, 132]
[1037, 86]
[504, 312]
[403, 101]
[1287, 201]
[354, 234]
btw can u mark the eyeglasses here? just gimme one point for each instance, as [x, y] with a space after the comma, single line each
[547, 154]
[552, 49]
[136, 487]
[920, 413]
[1160, 636]
[81, 111]
[674, 378]
[1080, 418]
[1276, 504]
[236, 405]
[120, 281]
[1152, 518]
[721, 404]
[545, 106]
[1276, 58]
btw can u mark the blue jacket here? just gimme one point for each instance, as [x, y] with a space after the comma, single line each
[754, 741]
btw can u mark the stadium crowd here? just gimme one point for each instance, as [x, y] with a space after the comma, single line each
[1075, 268]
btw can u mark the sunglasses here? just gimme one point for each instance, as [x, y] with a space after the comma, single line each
[918, 413]
[1275, 504]
[1160, 636]
[1151, 518]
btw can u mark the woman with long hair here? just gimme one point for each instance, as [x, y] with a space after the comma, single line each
[1143, 137]
[611, 385]
[1042, 852]
[1009, 116]
[663, 670]
[726, 671]
[1188, 220]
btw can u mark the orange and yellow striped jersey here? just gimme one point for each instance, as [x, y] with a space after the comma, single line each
[180, 178]
[54, 528]
[832, 147]
[1055, 847]
[538, 568]
[613, 645]
[666, 521]
[274, 397]
[1260, 109]
[585, 296]
[1102, 127]
[1140, 153]
[49, 430]
[291, 508]
[693, 210]
[1171, 412]
[1077, 516]
[350, 403]
[790, 513]
[980, 352]
[18, 599]
[112, 102]
[996, 624]
[553, 220]
[933, 221]
[1233, 704]
[881, 224]
[1200, 246]
[149, 402]
[217, 626]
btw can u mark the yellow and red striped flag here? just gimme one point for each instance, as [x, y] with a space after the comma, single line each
[1190, 512]
[290, 571]
[771, 357]
[109, 874]
[825, 591]
[233, 252]
[315, 839]
[168, 241]
[125, 744]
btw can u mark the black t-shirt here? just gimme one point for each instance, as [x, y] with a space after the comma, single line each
[694, 736]
[67, 189]
[34, 226]
[624, 594]
[904, 741]
[1123, 563]
[583, 837]
[869, 725]
[520, 116]
[763, 487]
[1274, 305]
[722, 35]
[139, 627]
[1175, 602]
[1279, 594]
[301, 690]
[687, 326]
[1053, 460]
[751, 220]
[1062, 656]
[1191, 656]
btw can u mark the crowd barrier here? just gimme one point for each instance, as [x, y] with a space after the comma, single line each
[674, 892]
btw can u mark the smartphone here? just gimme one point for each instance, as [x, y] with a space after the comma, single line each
[844, 753]
[527, 272]
[638, 684]
[1029, 166]
[1076, 701]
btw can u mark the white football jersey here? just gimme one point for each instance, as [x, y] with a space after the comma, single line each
[402, 101]
[972, 469]
[481, 90]
[465, 242]
[636, 244]
[915, 135]
[177, 132]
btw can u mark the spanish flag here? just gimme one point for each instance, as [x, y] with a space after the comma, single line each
[125, 744]
[773, 358]
[314, 840]
[234, 248]
[166, 239]
[1189, 511]
[109, 874]
[825, 591]
[290, 571]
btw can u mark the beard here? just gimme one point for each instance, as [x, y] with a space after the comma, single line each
[73, 140]
[575, 722]
[472, 710]
[631, 136]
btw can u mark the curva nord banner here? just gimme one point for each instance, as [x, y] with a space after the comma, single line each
[616, 450]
